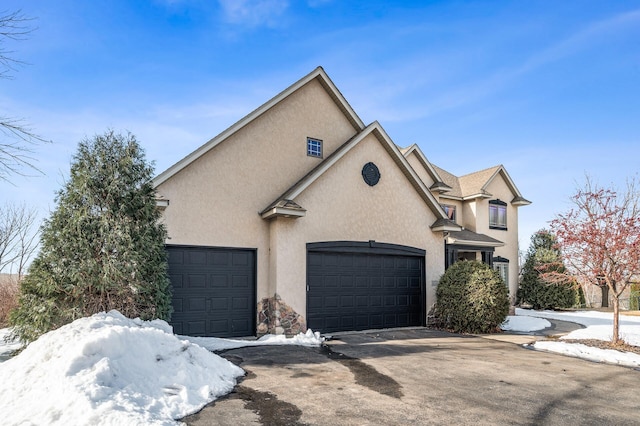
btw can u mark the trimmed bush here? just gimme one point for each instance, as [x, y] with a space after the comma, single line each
[471, 298]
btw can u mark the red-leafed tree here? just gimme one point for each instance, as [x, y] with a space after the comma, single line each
[600, 239]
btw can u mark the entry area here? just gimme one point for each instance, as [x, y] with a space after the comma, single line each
[214, 291]
[364, 285]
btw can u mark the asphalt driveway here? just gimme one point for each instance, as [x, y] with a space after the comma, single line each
[422, 376]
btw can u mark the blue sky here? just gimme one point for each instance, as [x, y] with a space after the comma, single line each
[549, 89]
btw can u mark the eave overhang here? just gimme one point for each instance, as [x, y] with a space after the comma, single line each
[445, 225]
[162, 203]
[465, 237]
[519, 201]
[283, 208]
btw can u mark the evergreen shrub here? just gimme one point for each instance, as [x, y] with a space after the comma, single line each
[543, 260]
[471, 298]
[103, 246]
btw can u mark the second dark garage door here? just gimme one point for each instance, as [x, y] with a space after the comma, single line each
[214, 291]
[360, 286]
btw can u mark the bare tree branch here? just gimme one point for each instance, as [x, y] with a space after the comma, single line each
[16, 147]
[18, 238]
[13, 26]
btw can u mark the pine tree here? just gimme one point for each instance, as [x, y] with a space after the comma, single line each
[103, 246]
[543, 261]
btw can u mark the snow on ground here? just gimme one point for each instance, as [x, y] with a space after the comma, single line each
[216, 344]
[598, 326]
[108, 369]
[524, 324]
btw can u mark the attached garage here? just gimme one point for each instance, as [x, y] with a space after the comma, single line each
[214, 291]
[364, 285]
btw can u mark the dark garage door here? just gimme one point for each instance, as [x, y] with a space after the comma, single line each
[361, 286]
[213, 291]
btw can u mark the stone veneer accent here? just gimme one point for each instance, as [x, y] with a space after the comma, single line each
[276, 317]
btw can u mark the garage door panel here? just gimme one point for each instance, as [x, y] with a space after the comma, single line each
[315, 302]
[175, 258]
[176, 280]
[375, 282]
[213, 291]
[240, 303]
[196, 281]
[219, 303]
[347, 302]
[177, 305]
[219, 326]
[241, 326]
[195, 328]
[219, 281]
[358, 291]
[347, 322]
[362, 301]
[241, 259]
[347, 281]
[197, 257]
[219, 258]
[376, 321]
[240, 281]
[331, 302]
[197, 304]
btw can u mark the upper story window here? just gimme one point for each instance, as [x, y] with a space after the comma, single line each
[497, 214]
[450, 211]
[314, 147]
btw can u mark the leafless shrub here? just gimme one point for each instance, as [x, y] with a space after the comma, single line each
[8, 297]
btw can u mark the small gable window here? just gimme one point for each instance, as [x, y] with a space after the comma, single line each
[450, 211]
[314, 147]
[497, 214]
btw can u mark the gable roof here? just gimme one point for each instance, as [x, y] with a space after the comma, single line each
[438, 185]
[275, 208]
[474, 185]
[318, 74]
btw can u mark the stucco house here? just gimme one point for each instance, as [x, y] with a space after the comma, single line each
[300, 215]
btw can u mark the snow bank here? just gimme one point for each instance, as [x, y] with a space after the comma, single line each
[578, 350]
[524, 324]
[216, 344]
[108, 369]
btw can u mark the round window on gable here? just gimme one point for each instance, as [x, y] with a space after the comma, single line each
[371, 174]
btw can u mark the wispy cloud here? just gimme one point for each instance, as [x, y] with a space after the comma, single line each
[469, 92]
[254, 13]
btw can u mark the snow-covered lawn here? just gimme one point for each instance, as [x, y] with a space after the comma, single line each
[108, 369]
[598, 326]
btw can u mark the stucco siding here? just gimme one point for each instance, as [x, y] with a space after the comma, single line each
[216, 199]
[341, 206]
[500, 190]
[417, 165]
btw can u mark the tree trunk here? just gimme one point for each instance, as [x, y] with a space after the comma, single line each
[615, 339]
[605, 296]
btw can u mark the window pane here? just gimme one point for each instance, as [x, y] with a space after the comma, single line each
[498, 216]
[503, 270]
[314, 147]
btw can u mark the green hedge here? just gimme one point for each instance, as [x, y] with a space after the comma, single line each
[471, 298]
